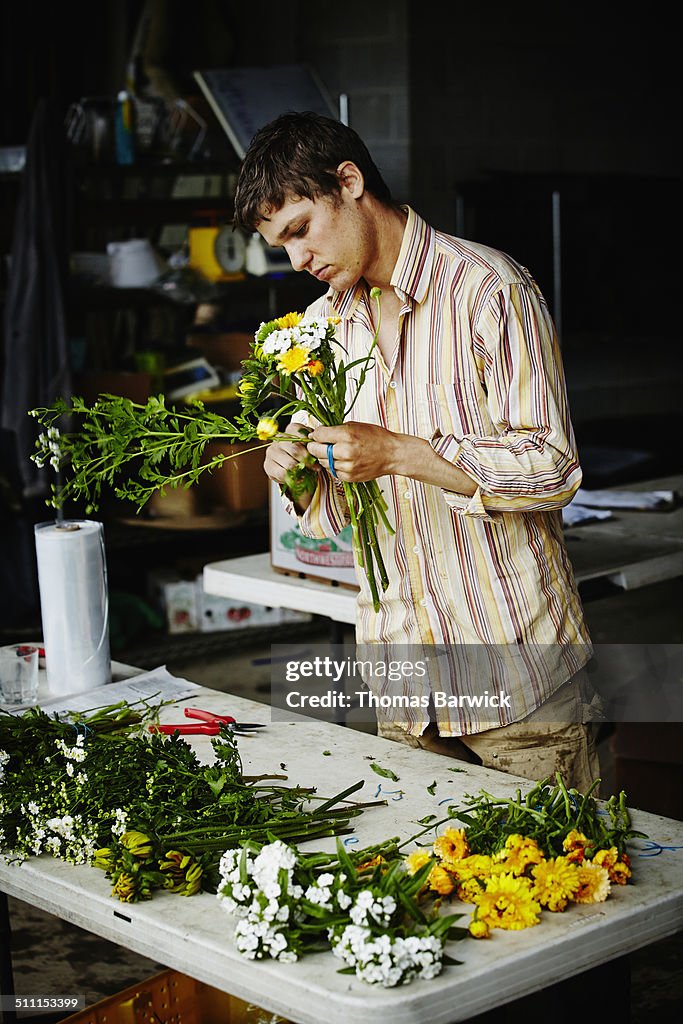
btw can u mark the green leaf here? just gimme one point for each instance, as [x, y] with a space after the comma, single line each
[432, 789]
[386, 773]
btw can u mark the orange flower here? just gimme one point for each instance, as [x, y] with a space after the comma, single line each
[452, 846]
[618, 865]
[594, 884]
[441, 881]
[314, 368]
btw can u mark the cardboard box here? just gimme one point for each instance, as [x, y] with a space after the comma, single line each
[240, 484]
[176, 599]
[220, 613]
[329, 560]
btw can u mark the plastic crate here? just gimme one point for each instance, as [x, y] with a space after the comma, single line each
[173, 998]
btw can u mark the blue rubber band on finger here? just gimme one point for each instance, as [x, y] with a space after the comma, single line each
[330, 460]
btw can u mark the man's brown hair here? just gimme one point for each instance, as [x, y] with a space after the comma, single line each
[297, 155]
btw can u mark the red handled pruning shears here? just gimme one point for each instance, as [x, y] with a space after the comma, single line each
[209, 725]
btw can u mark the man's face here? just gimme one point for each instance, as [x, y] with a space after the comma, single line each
[326, 237]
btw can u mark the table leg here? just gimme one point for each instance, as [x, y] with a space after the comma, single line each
[9, 1016]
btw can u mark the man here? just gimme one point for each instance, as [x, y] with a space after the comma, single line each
[463, 420]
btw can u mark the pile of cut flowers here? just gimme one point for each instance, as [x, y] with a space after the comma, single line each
[516, 858]
[103, 789]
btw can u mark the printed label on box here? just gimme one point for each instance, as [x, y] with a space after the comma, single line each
[328, 559]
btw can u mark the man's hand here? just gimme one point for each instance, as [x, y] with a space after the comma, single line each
[362, 451]
[284, 458]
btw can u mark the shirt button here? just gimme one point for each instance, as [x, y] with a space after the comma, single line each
[406, 494]
[393, 384]
[416, 550]
[423, 602]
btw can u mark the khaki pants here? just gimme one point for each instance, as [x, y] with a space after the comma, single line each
[532, 748]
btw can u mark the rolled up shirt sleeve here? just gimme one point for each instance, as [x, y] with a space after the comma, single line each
[529, 462]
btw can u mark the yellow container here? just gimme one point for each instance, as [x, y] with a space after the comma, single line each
[203, 256]
[173, 998]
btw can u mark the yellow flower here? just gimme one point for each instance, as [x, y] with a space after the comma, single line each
[373, 863]
[452, 846]
[334, 320]
[103, 859]
[125, 888]
[470, 890]
[574, 845]
[416, 860]
[314, 368]
[594, 884]
[477, 865]
[136, 843]
[479, 929]
[574, 840]
[289, 320]
[618, 865]
[441, 881]
[245, 386]
[519, 852]
[294, 359]
[555, 882]
[508, 903]
[266, 428]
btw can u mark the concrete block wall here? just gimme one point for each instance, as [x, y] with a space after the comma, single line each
[361, 49]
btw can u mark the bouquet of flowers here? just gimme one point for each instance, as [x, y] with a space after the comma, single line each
[519, 857]
[362, 905]
[138, 449]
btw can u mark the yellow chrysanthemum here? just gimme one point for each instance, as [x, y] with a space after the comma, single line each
[470, 890]
[451, 846]
[416, 860]
[618, 866]
[594, 884]
[314, 368]
[266, 428]
[441, 881]
[477, 865]
[555, 882]
[519, 852]
[334, 320]
[294, 359]
[508, 903]
[289, 320]
[479, 929]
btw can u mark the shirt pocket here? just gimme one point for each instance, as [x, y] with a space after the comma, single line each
[457, 408]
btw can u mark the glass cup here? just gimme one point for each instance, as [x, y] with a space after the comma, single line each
[19, 674]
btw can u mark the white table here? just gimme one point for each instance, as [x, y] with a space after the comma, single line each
[632, 550]
[194, 935]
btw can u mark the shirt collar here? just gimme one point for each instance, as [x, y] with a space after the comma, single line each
[411, 274]
[413, 268]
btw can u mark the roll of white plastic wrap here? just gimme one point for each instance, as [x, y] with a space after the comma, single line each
[74, 604]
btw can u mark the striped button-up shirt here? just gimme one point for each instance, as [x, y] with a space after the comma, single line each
[476, 371]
